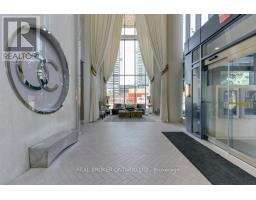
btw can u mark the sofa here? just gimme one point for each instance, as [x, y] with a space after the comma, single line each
[117, 107]
[130, 107]
[141, 107]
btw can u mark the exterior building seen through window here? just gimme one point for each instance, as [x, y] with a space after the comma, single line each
[129, 83]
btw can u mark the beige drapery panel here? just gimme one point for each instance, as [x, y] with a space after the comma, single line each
[112, 51]
[157, 32]
[146, 51]
[101, 28]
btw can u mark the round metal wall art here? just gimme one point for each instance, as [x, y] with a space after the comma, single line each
[41, 83]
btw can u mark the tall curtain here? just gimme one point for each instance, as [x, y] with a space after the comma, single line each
[101, 28]
[146, 51]
[157, 32]
[112, 51]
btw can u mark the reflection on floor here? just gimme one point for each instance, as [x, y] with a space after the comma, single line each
[119, 153]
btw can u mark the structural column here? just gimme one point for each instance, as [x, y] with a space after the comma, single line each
[175, 60]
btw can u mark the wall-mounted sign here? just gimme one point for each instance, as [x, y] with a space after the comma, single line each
[242, 104]
[224, 17]
[41, 80]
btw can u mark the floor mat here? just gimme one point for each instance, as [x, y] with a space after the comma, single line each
[215, 168]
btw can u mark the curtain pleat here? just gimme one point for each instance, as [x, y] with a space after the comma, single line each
[157, 33]
[101, 28]
[112, 51]
[146, 51]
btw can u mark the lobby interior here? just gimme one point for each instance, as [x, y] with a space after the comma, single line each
[129, 99]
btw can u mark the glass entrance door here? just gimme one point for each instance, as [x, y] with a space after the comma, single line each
[196, 100]
[242, 120]
[216, 102]
[229, 96]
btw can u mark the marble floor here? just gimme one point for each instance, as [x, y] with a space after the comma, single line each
[119, 153]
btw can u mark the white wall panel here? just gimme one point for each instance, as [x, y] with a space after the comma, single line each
[19, 127]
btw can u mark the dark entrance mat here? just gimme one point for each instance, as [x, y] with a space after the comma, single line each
[216, 169]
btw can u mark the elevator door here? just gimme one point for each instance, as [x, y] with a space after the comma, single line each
[229, 96]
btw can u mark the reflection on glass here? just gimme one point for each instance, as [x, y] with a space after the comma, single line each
[235, 31]
[227, 100]
[204, 19]
[250, 97]
[235, 77]
[192, 24]
[196, 100]
[196, 55]
[230, 104]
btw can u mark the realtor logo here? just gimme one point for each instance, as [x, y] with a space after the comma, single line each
[20, 43]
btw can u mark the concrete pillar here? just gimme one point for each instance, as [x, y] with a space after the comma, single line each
[174, 56]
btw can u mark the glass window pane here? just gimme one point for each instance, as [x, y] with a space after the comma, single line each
[147, 85]
[196, 55]
[129, 80]
[129, 83]
[129, 31]
[129, 57]
[122, 57]
[118, 89]
[140, 81]
[110, 92]
[238, 29]
[192, 24]
[140, 95]
[140, 68]
[116, 70]
[204, 19]
[140, 89]
[130, 95]
[196, 100]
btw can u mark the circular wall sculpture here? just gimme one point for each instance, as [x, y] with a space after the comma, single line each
[41, 83]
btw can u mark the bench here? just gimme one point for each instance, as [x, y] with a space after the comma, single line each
[42, 154]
